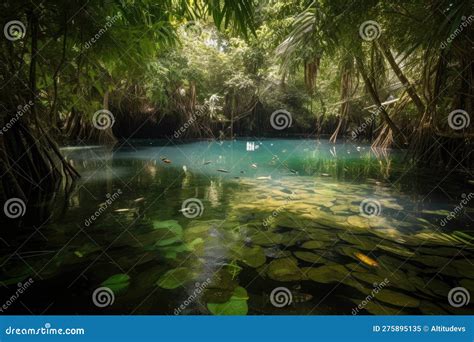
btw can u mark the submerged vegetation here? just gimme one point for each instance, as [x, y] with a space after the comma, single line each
[361, 145]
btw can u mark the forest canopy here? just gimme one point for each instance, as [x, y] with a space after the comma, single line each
[394, 74]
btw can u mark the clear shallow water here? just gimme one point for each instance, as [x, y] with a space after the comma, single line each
[271, 214]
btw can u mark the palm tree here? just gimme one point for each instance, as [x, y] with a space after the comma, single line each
[71, 59]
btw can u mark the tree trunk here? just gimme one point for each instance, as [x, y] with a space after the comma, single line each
[398, 135]
[402, 78]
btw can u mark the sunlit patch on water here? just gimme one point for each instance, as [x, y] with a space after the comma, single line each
[327, 223]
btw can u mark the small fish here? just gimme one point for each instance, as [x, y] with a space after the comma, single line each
[263, 178]
[294, 171]
[167, 161]
[124, 210]
[138, 200]
[185, 169]
[254, 166]
[223, 170]
[242, 171]
[207, 162]
[299, 297]
[325, 175]
[366, 260]
[236, 177]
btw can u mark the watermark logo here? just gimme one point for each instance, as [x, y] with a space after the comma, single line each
[370, 30]
[14, 208]
[102, 297]
[459, 296]
[458, 209]
[359, 130]
[281, 119]
[22, 287]
[458, 119]
[103, 207]
[22, 110]
[201, 111]
[108, 24]
[268, 221]
[465, 22]
[199, 288]
[370, 207]
[373, 293]
[192, 208]
[14, 30]
[103, 119]
[281, 297]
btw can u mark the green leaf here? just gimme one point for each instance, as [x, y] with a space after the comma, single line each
[175, 278]
[235, 306]
[117, 283]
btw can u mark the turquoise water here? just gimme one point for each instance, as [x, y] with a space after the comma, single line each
[214, 227]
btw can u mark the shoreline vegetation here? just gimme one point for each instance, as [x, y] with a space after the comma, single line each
[223, 68]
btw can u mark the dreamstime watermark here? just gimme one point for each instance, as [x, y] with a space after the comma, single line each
[14, 30]
[459, 296]
[103, 207]
[103, 296]
[370, 30]
[457, 209]
[203, 109]
[464, 23]
[370, 207]
[108, 24]
[359, 130]
[14, 208]
[277, 211]
[22, 110]
[103, 119]
[192, 208]
[199, 288]
[368, 299]
[281, 119]
[19, 291]
[46, 330]
[280, 297]
[459, 119]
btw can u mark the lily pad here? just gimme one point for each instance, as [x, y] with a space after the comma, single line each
[252, 256]
[362, 242]
[310, 257]
[235, 306]
[397, 299]
[327, 274]
[276, 253]
[396, 250]
[117, 283]
[266, 238]
[368, 277]
[313, 244]
[433, 261]
[285, 269]
[358, 221]
[171, 232]
[175, 278]
[171, 225]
